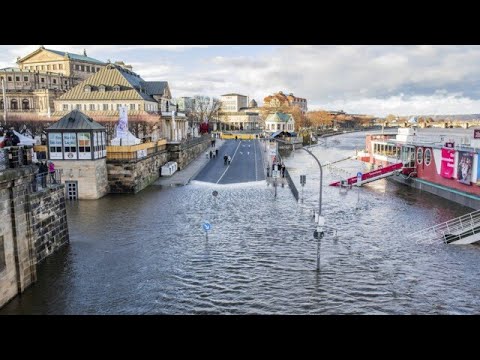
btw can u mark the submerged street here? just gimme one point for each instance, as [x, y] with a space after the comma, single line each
[148, 254]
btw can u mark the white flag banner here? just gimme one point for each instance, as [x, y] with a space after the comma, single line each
[122, 126]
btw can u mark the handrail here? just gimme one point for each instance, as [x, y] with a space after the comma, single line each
[462, 226]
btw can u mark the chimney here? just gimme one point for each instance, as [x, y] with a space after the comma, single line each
[84, 52]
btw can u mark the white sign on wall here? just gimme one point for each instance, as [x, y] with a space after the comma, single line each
[141, 153]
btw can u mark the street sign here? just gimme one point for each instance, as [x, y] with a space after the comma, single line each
[207, 226]
[359, 178]
[303, 179]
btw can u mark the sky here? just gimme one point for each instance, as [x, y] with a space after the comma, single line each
[362, 79]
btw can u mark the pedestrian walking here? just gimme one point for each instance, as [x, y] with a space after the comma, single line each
[210, 154]
[225, 159]
[216, 152]
[229, 160]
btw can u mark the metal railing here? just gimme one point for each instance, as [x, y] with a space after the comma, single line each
[452, 230]
[46, 180]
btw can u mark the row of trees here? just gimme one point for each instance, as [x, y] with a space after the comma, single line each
[206, 109]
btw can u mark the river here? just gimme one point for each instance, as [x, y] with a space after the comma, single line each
[148, 254]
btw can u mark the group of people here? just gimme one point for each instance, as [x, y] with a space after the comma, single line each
[212, 154]
[10, 139]
[280, 167]
[45, 169]
[227, 159]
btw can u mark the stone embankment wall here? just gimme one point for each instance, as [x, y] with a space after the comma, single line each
[184, 153]
[33, 225]
[132, 176]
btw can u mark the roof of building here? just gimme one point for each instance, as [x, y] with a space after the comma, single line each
[10, 69]
[132, 86]
[232, 94]
[76, 120]
[278, 117]
[77, 56]
[156, 87]
[282, 97]
[283, 132]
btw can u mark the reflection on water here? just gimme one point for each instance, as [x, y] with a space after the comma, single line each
[147, 253]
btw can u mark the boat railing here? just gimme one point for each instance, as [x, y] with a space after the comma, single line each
[456, 229]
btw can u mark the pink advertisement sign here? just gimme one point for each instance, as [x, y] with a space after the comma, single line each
[448, 160]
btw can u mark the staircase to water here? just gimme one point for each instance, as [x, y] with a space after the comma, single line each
[460, 231]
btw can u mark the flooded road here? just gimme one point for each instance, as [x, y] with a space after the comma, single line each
[147, 253]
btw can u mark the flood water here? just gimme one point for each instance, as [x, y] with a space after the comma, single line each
[148, 254]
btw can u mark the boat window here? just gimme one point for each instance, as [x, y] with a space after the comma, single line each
[428, 156]
[419, 155]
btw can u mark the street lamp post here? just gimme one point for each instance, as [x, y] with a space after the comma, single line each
[321, 181]
[318, 233]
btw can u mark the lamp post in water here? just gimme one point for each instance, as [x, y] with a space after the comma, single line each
[318, 233]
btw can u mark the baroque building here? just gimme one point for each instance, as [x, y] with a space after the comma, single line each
[39, 78]
[279, 99]
[101, 95]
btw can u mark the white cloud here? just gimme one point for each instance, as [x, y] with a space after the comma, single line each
[439, 103]
[363, 79]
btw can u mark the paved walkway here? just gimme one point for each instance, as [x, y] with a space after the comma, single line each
[183, 177]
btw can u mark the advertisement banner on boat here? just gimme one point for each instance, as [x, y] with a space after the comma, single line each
[448, 160]
[464, 168]
[478, 169]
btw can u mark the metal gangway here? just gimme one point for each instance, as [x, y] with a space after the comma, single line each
[459, 231]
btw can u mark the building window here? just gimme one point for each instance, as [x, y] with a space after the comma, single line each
[79, 107]
[25, 78]
[116, 88]
[419, 155]
[25, 104]
[36, 67]
[92, 107]
[60, 66]
[17, 78]
[101, 88]
[14, 104]
[118, 106]
[54, 81]
[84, 107]
[65, 107]
[66, 82]
[43, 67]
[87, 88]
[9, 78]
[83, 67]
[98, 69]
[2, 254]
[54, 66]
[1, 104]
[48, 67]
[70, 145]
[42, 80]
[132, 106]
[88, 68]
[105, 107]
[428, 157]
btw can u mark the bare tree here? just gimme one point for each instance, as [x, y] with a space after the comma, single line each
[205, 109]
